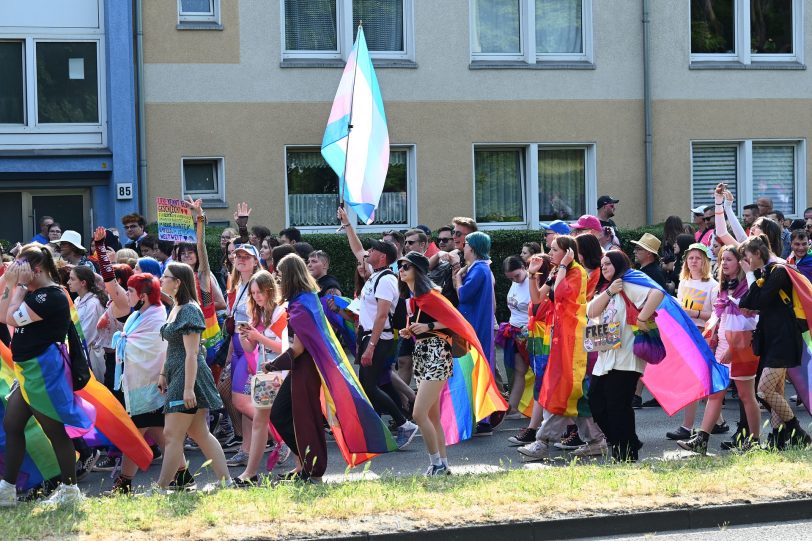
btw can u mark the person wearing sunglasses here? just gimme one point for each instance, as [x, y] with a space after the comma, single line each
[705, 233]
[441, 265]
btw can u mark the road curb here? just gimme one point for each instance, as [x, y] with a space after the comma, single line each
[608, 525]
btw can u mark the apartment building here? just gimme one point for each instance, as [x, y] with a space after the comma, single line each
[511, 111]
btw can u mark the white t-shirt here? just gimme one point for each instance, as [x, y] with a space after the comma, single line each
[387, 290]
[518, 300]
[697, 295]
[621, 358]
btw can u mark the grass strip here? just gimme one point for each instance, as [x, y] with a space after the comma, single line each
[408, 503]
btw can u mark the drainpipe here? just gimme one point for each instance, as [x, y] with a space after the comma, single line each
[142, 132]
[647, 111]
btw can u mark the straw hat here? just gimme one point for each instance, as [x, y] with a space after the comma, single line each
[649, 243]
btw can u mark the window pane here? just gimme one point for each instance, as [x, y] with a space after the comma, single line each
[558, 26]
[774, 175]
[12, 99]
[498, 186]
[497, 26]
[383, 23]
[562, 184]
[771, 26]
[200, 176]
[67, 83]
[312, 190]
[713, 26]
[197, 6]
[712, 164]
[310, 25]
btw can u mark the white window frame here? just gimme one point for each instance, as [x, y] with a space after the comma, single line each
[744, 169]
[743, 55]
[527, 38]
[530, 180]
[211, 16]
[345, 33]
[219, 171]
[411, 194]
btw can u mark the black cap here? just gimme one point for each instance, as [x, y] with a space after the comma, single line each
[385, 247]
[417, 259]
[605, 200]
[424, 228]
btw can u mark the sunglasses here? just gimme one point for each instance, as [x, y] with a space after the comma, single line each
[404, 266]
[410, 242]
[458, 233]
[444, 239]
[707, 218]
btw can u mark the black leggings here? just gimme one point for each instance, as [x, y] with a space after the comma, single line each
[370, 377]
[18, 412]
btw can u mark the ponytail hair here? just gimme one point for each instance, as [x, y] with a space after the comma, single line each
[37, 255]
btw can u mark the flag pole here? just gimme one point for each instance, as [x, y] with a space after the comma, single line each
[349, 132]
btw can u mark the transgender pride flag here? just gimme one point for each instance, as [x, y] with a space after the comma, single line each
[356, 140]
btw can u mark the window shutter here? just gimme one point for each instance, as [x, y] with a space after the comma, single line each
[711, 165]
[774, 175]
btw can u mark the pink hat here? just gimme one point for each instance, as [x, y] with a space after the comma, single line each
[587, 221]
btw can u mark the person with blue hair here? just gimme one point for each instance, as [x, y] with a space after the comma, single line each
[148, 265]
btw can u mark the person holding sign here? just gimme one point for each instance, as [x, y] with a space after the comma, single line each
[615, 375]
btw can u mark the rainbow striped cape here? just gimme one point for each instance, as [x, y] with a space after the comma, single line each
[689, 371]
[358, 430]
[539, 334]
[562, 391]
[346, 330]
[506, 338]
[470, 395]
[800, 376]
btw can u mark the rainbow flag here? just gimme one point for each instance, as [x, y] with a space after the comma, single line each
[506, 339]
[800, 376]
[470, 395]
[562, 391]
[356, 140]
[539, 335]
[346, 329]
[358, 430]
[689, 371]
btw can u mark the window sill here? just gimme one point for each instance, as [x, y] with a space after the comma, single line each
[727, 65]
[214, 204]
[338, 63]
[199, 26]
[521, 65]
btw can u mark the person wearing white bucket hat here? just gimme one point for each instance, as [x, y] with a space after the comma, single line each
[72, 251]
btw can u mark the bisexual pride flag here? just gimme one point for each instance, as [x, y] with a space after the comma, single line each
[356, 140]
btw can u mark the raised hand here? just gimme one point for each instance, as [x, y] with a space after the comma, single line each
[535, 264]
[196, 206]
[341, 214]
[568, 257]
[99, 234]
[241, 214]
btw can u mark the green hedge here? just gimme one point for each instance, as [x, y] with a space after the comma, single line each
[504, 244]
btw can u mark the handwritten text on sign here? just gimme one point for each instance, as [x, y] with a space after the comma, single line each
[175, 221]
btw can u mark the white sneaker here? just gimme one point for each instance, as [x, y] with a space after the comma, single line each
[8, 494]
[537, 450]
[595, 448]
[406, 433]
[65, 495]
[284, 453]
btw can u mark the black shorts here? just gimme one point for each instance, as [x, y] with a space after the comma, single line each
[149, 419]
[406, 346]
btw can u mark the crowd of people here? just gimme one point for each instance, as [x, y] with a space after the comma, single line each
[185, 349]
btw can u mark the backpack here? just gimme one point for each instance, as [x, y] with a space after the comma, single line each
[399, 319]
[77, 358]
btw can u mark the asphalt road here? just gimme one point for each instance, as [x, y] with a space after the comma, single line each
[480, 454]
[794, 531]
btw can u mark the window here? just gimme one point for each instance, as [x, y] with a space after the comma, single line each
[199, 11]
[326, 29]
[531, 31]
[203, 178]
[67, 83]
[312, 190]
[528, 184]
[12, 84]
[752, 169]
[746, 31]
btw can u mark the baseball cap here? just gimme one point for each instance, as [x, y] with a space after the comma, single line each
[385, 247]
[605, 200]
[418, 260]
[249, 249]
[587, 221]
[556, 226]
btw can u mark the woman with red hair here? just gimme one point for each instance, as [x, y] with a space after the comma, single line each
[140, 354]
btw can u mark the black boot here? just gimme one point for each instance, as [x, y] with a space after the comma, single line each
[737, 438]
[697, 444]
[796, 436]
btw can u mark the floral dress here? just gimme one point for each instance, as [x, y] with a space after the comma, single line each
[189, 320]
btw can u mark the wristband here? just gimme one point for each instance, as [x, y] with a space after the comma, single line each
[430, 326]
[24, 286]
[609, 294]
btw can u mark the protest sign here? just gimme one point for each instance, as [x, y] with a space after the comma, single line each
[175, 221]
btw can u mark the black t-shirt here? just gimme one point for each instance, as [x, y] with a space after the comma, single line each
[51, 304]
[328, 282]
[653, 271]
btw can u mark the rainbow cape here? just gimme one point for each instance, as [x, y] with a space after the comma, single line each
[800, 376]
[506, 338]
[562, 391]
[689, 371]
[470, 395]
[539, 334]
[358, 430]
[346, 329]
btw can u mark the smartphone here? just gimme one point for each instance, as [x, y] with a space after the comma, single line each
[241, 324]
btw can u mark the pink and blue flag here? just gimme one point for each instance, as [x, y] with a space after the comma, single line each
[356, 140]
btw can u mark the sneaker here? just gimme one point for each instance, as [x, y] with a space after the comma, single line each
[42, 490]
[215, 421]
[284, 453]
[84, 467]
[722, 428]
[8, 494]
[596, 448]
[121, 487]
[184, 481]
[406, 433]
[246, 483]
[681, 433]
[224, 435]
[637, 402]
[157, 454]
[65, 495]
[240, 458]
[697, 444]
[570, 440]
[105, 463]
[218, 485]
[651, 403]
[191, 445]
[538, 450]
[441, 469]
[523, 437]
[155, 490]
[232, 443]
[483, 429]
